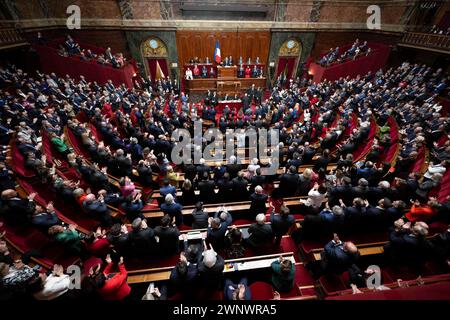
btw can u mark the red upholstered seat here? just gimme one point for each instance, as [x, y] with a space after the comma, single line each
[18, 164]
[261, 291]
[288, 245]
[240, 222]
[332, 284]
[303, 276]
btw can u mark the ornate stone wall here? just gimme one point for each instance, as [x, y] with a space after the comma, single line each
[135, 39]
[278, 38]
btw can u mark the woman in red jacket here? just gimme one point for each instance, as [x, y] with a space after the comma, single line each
[422, 212]
[113, 286]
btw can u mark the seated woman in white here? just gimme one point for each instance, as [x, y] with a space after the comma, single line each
[189, 74]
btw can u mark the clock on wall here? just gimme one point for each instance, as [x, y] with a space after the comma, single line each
[153, 44]
[290, 48]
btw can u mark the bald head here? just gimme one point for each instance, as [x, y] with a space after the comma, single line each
[350, 247]
[8, 194]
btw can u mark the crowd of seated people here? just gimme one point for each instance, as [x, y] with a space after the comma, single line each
[135, 129]
[335, 56]
[71, 48]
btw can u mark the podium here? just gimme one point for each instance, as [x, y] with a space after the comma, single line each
[226, 82]
[227, 72]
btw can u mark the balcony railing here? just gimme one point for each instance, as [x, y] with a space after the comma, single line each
[10, 37]
[427, 40]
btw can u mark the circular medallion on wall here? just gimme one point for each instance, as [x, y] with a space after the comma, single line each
[290, 44]
[153, 44]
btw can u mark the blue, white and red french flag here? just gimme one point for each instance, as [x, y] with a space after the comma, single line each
[217, 56]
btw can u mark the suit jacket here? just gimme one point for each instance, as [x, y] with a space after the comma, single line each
[165, 190]
[258, 203]
[233, 169]
[240, 191]
[168, 239]
[259, 234]
[288, 184]
[216, 237]
[321, 162]
[45, 220]
[335, 259]
[184, 283]
[211, 278]
[142, 242]
[120, 243]
[225, 190]
[17, 211]
[207, 192]
[257, 181]
[173, 210]
[280, 224]
[200, 219]
[409, 248]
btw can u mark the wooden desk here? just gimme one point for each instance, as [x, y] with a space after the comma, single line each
[250, 263]
[201, 84]
[253, 264]
[247, 82]
[367, 251]
[226, 72]
[231, 85]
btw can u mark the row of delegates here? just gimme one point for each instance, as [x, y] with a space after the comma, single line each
[197, 271]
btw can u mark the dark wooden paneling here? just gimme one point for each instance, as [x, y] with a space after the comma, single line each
[201, 44]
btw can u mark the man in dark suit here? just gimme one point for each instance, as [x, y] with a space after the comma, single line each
[182, 278]
[240, 191]
[261, 234]
[396, 211]
[375, 215]
[258, 202]
[342, 191]
[118, 237]
[168, 235]
[338, 256]
[410, 247]
[173, 209]
[441, 246]
[123, 163]
[257, 180]
[203, 168]
[133, 206]
[288, 182]
[44, 219]
[210, 269]
[17, 211]
[245, 102]
[167, 188]
[281, 223]
[142, 238]
[322, 161]
[216, 233]
[98, 209]
[225, 188]
[206, 188]
[233, 168]
[353, 215]
[361, 189]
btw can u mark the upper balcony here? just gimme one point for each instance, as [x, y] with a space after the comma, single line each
[426, 41]
[10, 36]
